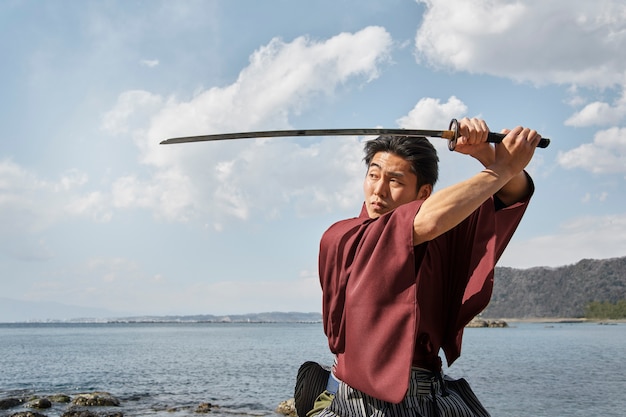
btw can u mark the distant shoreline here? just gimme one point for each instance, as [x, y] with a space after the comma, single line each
[561, 320]
[556, 320]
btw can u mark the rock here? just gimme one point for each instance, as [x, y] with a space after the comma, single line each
[28, 414]
[287, 408]
[59, 398]
[89, 413]
[203, 408]
[7, 403]
[478, 322]
[79, 413]
[99, 399]
[39, 403]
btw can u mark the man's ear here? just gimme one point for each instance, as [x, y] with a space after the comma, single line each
[424, 192]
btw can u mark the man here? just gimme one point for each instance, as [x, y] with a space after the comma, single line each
[401, 281]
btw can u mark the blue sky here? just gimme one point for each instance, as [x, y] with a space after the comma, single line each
[95, 213]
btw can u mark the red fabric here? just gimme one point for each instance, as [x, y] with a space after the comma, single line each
[376, 304]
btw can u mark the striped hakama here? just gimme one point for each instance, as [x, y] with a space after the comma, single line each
[429, 395]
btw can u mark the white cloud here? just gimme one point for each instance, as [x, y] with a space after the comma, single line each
[599, 113]
[150, 63]
[596, 196]
[280, 80]
[430, 112]
[586, 198]
[94, 205]
[231, 180]
[236, 297]
[117, 283]
[568, 42]
[607, 153]
[29, 205]
[71, 179]
[122, 284]
[134, 103]
[592, 237]
[559, 41]
[189, 181]
[33, 202]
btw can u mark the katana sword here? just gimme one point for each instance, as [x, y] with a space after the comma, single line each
[451, 135]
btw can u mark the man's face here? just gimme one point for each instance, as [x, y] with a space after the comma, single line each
[388, 184]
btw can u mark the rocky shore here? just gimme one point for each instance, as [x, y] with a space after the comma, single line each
[94, 404]
[103, 404]
[78, 406]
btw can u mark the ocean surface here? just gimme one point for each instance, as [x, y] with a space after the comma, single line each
[528, 369]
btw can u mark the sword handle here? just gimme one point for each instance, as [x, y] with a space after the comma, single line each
[492, 137]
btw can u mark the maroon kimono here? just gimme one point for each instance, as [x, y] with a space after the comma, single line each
[388, 305]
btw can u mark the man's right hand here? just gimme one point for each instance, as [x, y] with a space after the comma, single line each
[515, 151]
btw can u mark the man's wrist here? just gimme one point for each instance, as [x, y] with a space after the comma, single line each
[486, 158]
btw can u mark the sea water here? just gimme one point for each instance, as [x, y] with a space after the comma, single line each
[157, 369]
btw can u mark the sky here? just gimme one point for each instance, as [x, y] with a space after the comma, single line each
[95, 213]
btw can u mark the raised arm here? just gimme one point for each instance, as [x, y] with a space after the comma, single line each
[503, 176]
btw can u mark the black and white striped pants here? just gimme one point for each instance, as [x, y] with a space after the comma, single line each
[429, 395]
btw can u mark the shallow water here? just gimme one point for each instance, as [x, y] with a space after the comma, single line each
[530, 369]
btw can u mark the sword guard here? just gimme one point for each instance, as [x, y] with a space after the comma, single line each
[454, 129]
[452, 134]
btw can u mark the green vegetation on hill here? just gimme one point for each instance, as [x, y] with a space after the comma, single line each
[606, 310]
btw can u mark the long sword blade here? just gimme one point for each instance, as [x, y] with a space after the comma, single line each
[447, 134]
[450, 135]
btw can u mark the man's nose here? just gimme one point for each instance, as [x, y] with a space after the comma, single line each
[380, 188]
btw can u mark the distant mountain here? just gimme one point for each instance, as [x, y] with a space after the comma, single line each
[269, 317]
[538, 292]
[19, 311]
[556, 292]
[22, 311]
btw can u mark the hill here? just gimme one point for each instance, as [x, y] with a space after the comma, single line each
[533, 293]
[565, 291]
[267, 317]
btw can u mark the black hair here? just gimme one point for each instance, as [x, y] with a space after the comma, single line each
[417, 150]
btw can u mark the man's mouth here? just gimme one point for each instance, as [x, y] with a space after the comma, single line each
[377, 205]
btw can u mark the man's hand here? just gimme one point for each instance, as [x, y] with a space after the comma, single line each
[518, 145]
[516, 149]
[508, 158]
[503, 176]
[472, 140]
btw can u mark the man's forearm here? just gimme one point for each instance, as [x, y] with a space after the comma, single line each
[503, 175]
[450, 206]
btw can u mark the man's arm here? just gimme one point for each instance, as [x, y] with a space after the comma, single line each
[503, 175]
[473, 143]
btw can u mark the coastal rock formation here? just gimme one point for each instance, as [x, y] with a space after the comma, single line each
[89, 413]
[478, 322]
[204, 408]
[94, 404]
[77, 408]
[287, 408]
[28, 414]
[98, 399]
[59, 398]
[39, 403]
[7, 403]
